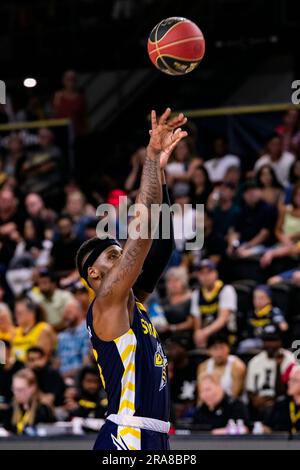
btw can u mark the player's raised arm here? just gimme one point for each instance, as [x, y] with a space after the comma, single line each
[117, 282]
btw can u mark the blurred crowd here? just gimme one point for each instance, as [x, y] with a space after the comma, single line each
[227, 313]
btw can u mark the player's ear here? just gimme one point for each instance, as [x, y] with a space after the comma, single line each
[93, 272]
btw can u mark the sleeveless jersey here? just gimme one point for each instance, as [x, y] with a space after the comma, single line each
[133, 368]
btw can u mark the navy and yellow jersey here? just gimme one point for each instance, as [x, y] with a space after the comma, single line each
[133, 369]
[209, 304]
[259, 318]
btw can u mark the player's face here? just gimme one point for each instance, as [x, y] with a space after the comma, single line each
[108, 258]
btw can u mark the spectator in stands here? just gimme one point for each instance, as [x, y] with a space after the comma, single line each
[177, 305]
[7, 371]
[278, 158]
[216, 408]
[34, 110]
[91, 401]
[73, 343]
[214, 246]
[263, 314]
[213, 305]
[36, 209]
[201, 185]
[11, 217]
[294, 177]
[221, 162]
[229, 369]
[182, 375]
[272, 190]
[32, 330]
[7, 328]
[41, 171]
[254, 226]
[268, 373]
[80, 212]
[65, 247]
[27, 409]
[82, 295]
[52, 299]
[11, 161]
[177, 169]
[289, 131]
[70, 103]
[31, 250]
[285, 415]
[223, 208]
[288, 225]
[280, 252]
[49, 380]
[184, 216]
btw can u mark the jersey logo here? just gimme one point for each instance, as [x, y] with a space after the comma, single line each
[119, 443]
[160, 360]
[89, 331]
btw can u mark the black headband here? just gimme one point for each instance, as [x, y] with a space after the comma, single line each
[103, 244]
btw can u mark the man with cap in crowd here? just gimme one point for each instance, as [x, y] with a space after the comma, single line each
[213, 304]
[268, 372]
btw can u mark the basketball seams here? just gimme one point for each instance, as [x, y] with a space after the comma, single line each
[158, 51]
[182, 41]
[170, 29]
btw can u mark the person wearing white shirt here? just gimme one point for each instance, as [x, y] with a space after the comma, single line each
[268, 372]
[280, 160]
[218, 166]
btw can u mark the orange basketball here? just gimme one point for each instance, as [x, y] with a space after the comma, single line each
[176, 46]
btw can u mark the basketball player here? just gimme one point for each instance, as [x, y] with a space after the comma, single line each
[130, 358]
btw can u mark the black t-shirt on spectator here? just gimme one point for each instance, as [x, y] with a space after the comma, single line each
[280, 417]
[177, 313]
[6, 381]
[183, 384]
[50, 381]
[90, 406]
[227, 409]
[251, 220]
[44, 414]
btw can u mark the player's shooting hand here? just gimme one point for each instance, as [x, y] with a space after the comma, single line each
[165, 134]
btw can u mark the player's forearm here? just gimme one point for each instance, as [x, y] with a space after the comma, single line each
[160, 252]
[150, 190]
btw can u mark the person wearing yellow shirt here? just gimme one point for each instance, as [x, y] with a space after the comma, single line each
[32, 330]
[7, 329]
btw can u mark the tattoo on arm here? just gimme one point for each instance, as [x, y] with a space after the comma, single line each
[125, 267]
[128, 269]
[150, 191]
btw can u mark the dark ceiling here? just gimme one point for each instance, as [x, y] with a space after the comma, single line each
[47, 36]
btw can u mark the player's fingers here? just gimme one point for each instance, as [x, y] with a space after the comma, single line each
[163, 118]
[177, 136]
[153, 119]
[179, 120]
